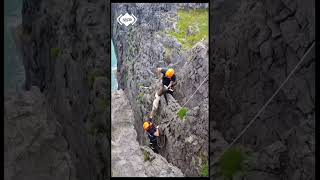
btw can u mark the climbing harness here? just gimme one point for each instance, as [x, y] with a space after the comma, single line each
[264, 106]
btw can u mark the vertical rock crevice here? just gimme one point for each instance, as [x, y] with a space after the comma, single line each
[142, 48]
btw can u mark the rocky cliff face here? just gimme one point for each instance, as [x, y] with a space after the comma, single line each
[35, 146]
[65, 51]
[140, 50]
[255, 45]
[128, 158]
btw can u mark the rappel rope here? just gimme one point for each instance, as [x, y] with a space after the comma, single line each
[193, 94]
[190, 96]
[265, 105]
[195, 91]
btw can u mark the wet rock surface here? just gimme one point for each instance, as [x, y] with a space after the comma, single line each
[253, 50]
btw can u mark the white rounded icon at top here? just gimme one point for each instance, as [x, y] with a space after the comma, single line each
[127, 19]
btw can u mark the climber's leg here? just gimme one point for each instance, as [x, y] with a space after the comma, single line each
[154, 147]
[161, 90]
[171, 92]
[165, 97]
[155, 103]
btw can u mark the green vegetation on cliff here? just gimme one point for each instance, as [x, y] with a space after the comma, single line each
[232, 162]
[182, 113]
[55, 52]
[146, 156]
[205, 170]
[193, 26]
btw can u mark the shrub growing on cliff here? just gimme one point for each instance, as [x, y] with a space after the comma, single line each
[140, 97]
[182, 113]
[205, 170]
[191, 19]
[146, 155]
[232, 162]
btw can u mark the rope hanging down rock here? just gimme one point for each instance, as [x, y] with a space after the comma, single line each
[189, 97]
[195, 91]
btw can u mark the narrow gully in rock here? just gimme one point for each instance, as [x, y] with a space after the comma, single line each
[128, 158]
[154, 43]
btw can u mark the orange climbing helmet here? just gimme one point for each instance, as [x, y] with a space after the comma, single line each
[170, 73]
[147, 125]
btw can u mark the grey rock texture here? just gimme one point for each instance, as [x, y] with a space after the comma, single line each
[142, 48]
[255, 45]
[158, 166]
[34, 144]
[65, 51]
[128, 158]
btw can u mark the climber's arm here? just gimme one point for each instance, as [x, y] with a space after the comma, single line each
[173, 82]
[159, 73]
[157, 132]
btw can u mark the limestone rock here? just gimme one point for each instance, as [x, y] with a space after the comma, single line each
[34, 144]
[240, 85]
[156, 48]
[129, 159]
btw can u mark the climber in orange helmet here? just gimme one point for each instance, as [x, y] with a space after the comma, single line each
[153, 134]
[168, 81]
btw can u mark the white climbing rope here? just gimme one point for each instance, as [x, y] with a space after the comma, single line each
[265, 105]
[194, 92]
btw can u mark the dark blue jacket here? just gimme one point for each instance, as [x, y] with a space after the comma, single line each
[151, 136]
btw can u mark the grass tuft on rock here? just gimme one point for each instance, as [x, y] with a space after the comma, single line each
[141, 95]
[55, 52]
[204, 172]
[196, 20]
[146, 156]
[231, 162]
[182, 113]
